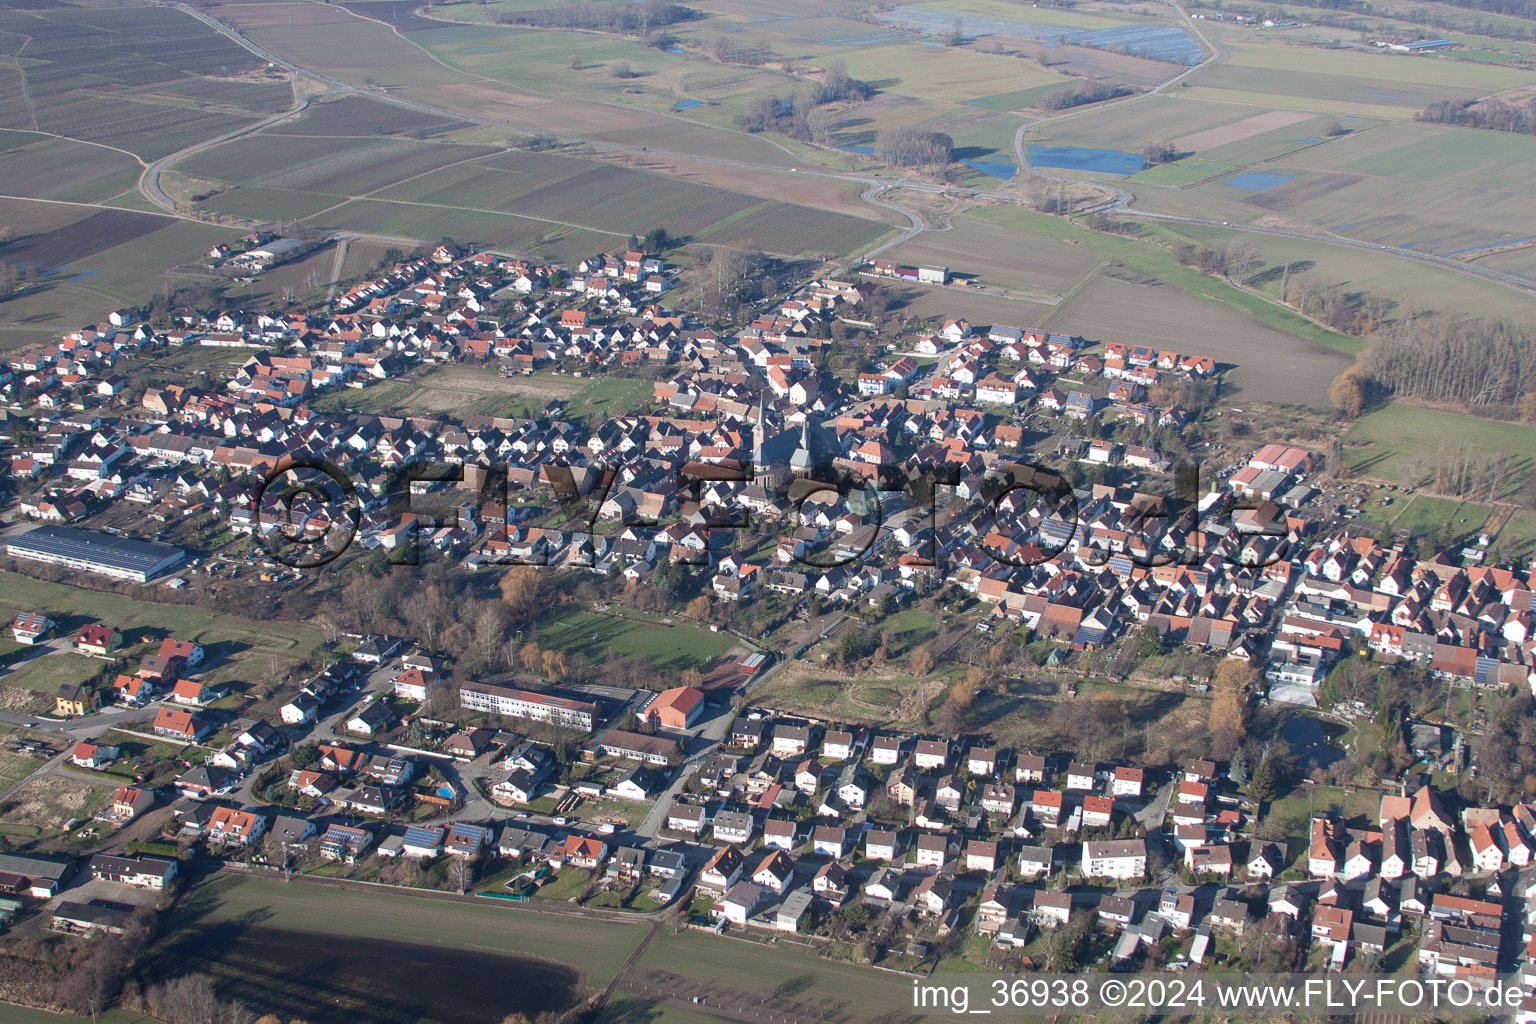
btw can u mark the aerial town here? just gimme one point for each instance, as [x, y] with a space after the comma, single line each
[767, 488]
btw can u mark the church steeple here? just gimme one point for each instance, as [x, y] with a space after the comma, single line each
[760, 434]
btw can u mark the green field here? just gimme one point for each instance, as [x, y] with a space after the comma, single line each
[75, 606]
[1517, 537]
[1426, 515]
[132, 270]
[341, 167]
[1159, 262]
[1400, 444]
[1463, 156]
[47, 673]
[1411, 285]
[1359, 808]
[136, 747]
[1181, 172]
[594, 636]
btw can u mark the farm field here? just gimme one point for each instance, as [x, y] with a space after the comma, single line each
[1521, 260]
[992, 252]
[495, 230]
[598, 947]
[1181, 172]
[1425, 216]
[340, 167]
[259, 203]
[1344, 81]
[939, 304]
[93, 74]
[45, 167]
[1132, 125]
[755, 971]
[1270, 365]
[797, 230]
[262, 942]
[130, 271]
[594, 636]
[1472, 176]
[600, 195]
[1399, 444]
[51, 236]
[1415, 287]
[1224, 339]
[359, 117]
[539, 61]
[548, 204]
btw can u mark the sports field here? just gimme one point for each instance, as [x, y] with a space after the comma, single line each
[595, 637]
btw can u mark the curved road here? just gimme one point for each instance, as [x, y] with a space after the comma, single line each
[149, 177]
[878, 186]
[916, 226]
[1119, 197]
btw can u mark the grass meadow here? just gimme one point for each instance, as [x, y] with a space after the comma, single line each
[1399, 444]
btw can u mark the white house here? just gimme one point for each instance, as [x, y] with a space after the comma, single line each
[1117, 859]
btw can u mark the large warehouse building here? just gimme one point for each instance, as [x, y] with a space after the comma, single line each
[102, 553]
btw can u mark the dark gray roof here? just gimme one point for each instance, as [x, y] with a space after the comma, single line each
[102, 548]
[34, 867]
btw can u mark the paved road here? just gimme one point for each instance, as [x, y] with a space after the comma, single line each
[149, 177]
[711, 734]
[878, 185]
[342, 244]
[1119, 198]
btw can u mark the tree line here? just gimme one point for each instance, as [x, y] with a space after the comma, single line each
[1483, 365]
[13, 278]
[624, 19]
[1078, 95]
[1525, 9]
[734, 51]
[1494, 115]
[913, 147]
[797, 115]
[1348, 312]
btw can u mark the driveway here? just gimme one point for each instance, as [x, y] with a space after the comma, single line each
[708, 740]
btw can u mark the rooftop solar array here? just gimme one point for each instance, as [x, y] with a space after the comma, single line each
[140, 556]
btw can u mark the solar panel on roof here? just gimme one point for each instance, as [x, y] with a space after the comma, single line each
[417, 836]
[87, 545]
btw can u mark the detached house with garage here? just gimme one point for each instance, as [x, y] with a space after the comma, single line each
[97, 640]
